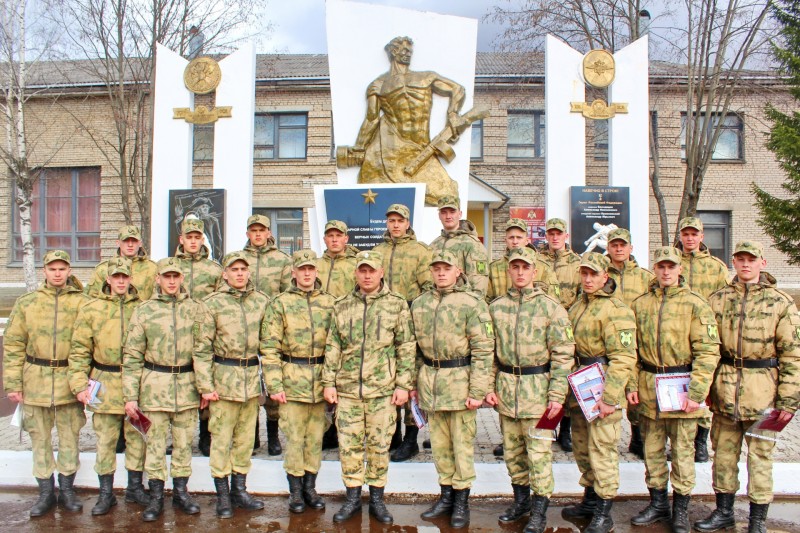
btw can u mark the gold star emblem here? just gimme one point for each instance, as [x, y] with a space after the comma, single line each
[369, 196]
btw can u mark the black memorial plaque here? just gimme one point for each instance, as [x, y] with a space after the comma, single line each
[594, 212]
[206, 204]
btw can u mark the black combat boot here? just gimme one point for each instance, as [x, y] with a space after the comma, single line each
[658, 510]
[106, 500]
[460, 516]
[680, 513]
[273, 442]
[565, 434]
[585, 509]
[408, 448]
[701, 445]
[721, 517]
[224, 507]
[377, 507]
[134, 492]
[498, 451]
[757, 523]
[330, 440]
[538, 520]
[156, 505]
[204, 442]
[442, 506]
[66, 494]
[310, 495]
[181, 497]
[397, 438]
[601, 521]
[520, 506]
[296, 502]
[636, 447]
[426, 444]
[47, 496]
[239, 495]
[352, 505]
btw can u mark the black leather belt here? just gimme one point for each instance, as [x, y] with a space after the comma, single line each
[523, 370]
[750, 363]
[106, 368]
[169, 369]
[52, 363]
[583, 361]
[236, 361]
[655, 369]
[303, 360]
[447, 363]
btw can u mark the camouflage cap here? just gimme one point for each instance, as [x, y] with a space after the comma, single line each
[749, 247]
[55, 255]
[304, 257]
[192, 224]
[119, 265]
[595, 261]
[373, 259]
[690, 222]
[517, 223]
[337, 225]
[667, 253]
[448, 201]
[522, 254]
[129, 232]
[400, 209]
[620, 234]
[169, 264]
[556, 223]
[232, 257]
[444, 256]
[258, 219]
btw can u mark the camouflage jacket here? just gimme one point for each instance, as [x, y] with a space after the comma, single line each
[41, 325]
[470, 251]
[337, 273]
[566, 264]
[756, 321]
[162, 331]
[632, 281]
[450, 324]
[704, 273]
[370, 347]
[231, 329]
[99, 335]
[144, 276]
[604, 326]
[499, 282]
[298, 326]
[675, 326]
[406, 265]
[201, 274]
[531, 329]
[270, 268]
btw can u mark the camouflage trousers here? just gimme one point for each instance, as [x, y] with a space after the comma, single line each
[38, 422]
[528, 454]
[405, 412]
[726, 438]
[365, 425]
[272, 409]
[232, 426]
[182, 425]
[106, 427]
[595, 447]
[453, 446]
[681, 433]
[303, 424]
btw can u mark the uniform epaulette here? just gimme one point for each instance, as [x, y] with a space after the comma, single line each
[497, 261]
[784, 294]
[700, 296]
[554, 300]
[720, 261]
[617, 302]
[342, 297]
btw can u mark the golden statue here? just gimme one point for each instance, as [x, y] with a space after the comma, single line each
[394, 144]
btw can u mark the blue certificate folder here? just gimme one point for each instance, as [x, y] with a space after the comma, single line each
[366, 221]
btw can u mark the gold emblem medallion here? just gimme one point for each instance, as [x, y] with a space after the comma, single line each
[202, 75]
[598, 68]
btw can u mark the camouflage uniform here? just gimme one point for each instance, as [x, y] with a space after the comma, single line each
[565, 263]
[453, 327]
[201, 273]
[499, 282]
[704, 273]
[143, 278]
[270, 268]
[405, 265]
[470, 252]
[337, 272]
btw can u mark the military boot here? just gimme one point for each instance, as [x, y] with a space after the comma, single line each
[273, 442]
[239, 495]
[636, 447]
[538, 520]
[296, 503]
[106, 500]
[310, 495]
[658, 510]
[377, 507]
[156, 505]
[520, 506]
[721, 517]
[701, 445]
[66, 494]
[565, 434]
[442, 506]
[181, 497]
[352, 505]
[601, 521]
[409, 447]
[397, 437]
[460, 516]
[134, 492]
[204, 442]
[499, 450]
[224, 507]
[680, 512]
[47, 496]
[585, 509]
[330, 440]
[757, 523]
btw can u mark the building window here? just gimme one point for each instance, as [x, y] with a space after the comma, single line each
[203, 142]
[601, 139]
[280, 136]
[717, 232]
[286, 226]
[729, 145]
[525, 134]
[65, 214]
[476, 149]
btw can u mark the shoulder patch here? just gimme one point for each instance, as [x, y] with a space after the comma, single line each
[480, 266]
[489, 328]
[570, 333]
[626, 337]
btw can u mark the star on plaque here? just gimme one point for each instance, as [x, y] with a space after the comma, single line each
[369, 196]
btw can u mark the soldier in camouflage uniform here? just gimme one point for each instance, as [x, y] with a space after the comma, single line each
[97, 354]
[227, 371]
[704, 274]
[293, 351]
[605, 333]
[129, 246]
[632, 281]
[760, 369]
[369, 369]
[158, 377]
[461, 238]
[35, 359]
[676, 333]
[407, 272]
[455, 340]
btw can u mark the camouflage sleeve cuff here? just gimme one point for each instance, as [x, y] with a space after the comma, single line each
[557, 397]
[608, 399]
[781, 406]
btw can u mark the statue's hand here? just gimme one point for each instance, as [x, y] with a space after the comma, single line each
[457, 123]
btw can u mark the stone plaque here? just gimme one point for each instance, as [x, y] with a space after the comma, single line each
[594, 213]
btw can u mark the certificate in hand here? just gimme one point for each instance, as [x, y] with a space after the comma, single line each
[672, 391]
[587, 385]
[141, 424]
[550, 423]
[767, 426]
